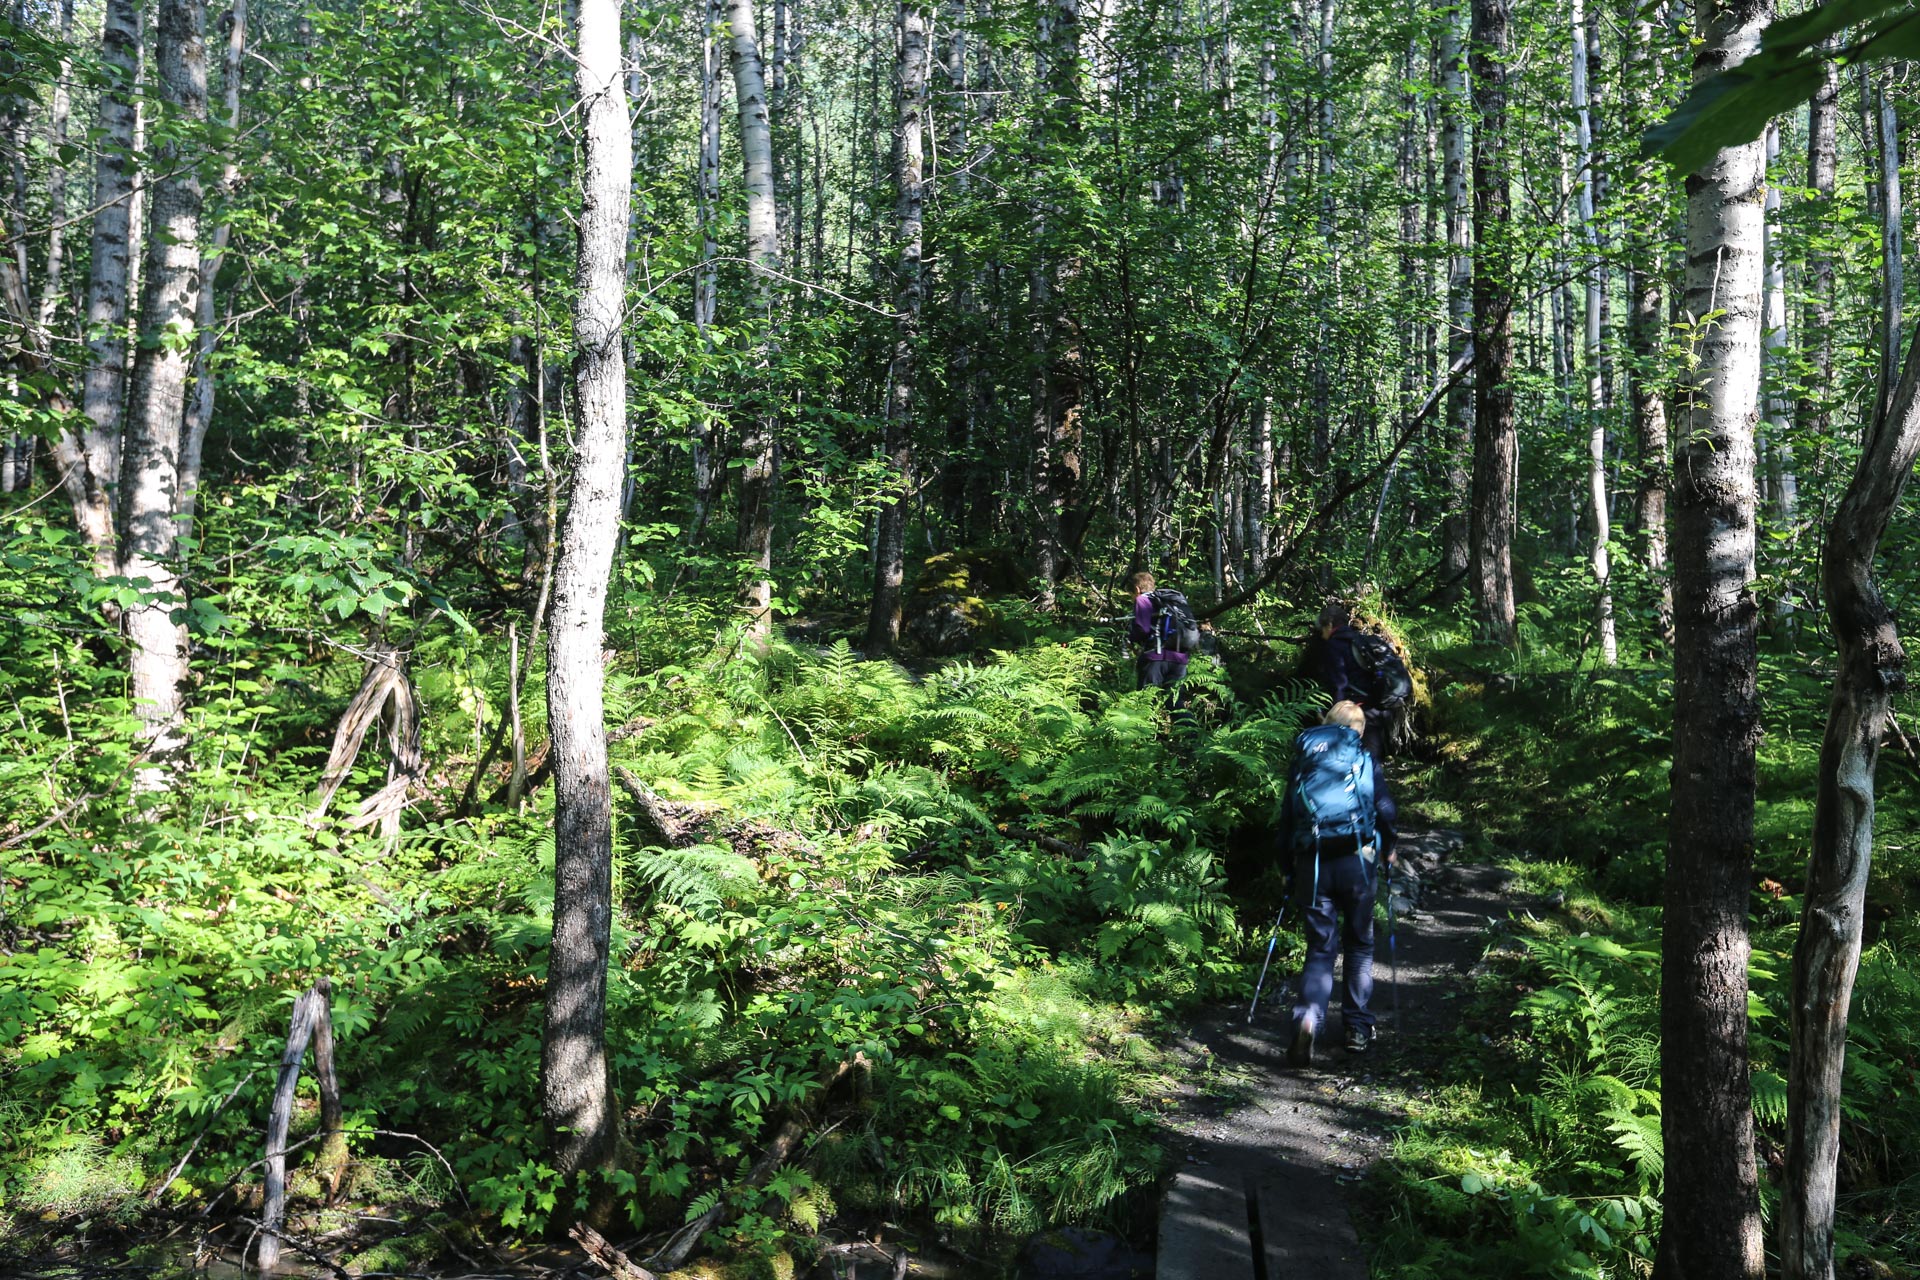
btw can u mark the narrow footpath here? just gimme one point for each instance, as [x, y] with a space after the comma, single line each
[1268, 1153]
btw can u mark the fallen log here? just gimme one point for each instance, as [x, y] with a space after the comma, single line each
[660, 827]
[1052, 844]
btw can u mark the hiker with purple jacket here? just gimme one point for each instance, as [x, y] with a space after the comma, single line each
[1164, 634]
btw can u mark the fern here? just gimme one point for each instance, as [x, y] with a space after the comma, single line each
[699, 879]
[1637, 1135]
[1769, 1098]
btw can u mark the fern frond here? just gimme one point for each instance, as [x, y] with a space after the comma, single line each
[699, 879]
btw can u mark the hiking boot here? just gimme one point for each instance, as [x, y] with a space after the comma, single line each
[1359, 1039]
[1300, 1052]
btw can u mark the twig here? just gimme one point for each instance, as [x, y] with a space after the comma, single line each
[59, 814]
[280, 1234]
[1906, 743]
[206, 1129]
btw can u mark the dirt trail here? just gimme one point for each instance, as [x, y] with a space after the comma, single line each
[1267, 1152]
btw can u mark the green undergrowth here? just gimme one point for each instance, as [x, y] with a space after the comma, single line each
[865, 884]
[1537, 1151]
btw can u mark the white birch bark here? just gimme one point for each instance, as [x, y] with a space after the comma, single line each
[193, 435]
[577, 1089]
[1782, 485]
[58, 114]
[1712, 1228]
[150, 481]
[1598, 508]
[90, 465]
[914, 50]
[757, 479]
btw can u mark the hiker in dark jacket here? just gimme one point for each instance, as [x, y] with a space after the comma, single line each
[1155, 663]
[1337, 823]
[1346, 680]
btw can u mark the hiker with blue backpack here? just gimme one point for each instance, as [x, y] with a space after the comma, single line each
[1337, 825]
[1165, 634]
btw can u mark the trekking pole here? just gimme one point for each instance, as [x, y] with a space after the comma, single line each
[1393, 952]
[1272, 942]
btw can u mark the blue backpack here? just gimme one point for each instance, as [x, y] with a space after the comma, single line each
[1330, 788]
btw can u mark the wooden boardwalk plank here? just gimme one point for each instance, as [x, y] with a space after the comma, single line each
[1204, 1227]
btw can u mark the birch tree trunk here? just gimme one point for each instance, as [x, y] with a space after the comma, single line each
[706, 284]
[883, 621]
[1823, 125]
[1329, 297]
[1455, 108]
[169, 303]
[58, 114]
[1712, 1223]
[200, 407]
[578, 1101]
[1598, 511]
[1782, 486]
[1646, 323]
[1495, 445]
[90, 465]
[1826, 955]
[757, 478]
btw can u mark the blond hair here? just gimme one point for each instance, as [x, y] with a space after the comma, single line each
[1142, 584]
[1348, 715]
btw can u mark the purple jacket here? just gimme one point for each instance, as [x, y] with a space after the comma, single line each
[1143, 634]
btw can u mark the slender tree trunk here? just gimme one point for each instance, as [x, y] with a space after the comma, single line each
[90, 466]
[1455, 109]
[206, 336]
[1823, 123]
[1826, 955]
[757, 478]
[1329, 300]
[1712, 1222]
[59, 112]
[1495, 445]
[1066, 374]
[170, 301]
[883, 623]
[779, 82]
[1046, 503]
[1597, 498]
[1893, 294]
[579, 1105]
[1782, 486]
[706, 284]
[1260, 486]
[1646, 323]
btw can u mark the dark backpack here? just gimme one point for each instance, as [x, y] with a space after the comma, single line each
[1330, 788]
[1389, 685]
[1175, 629]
